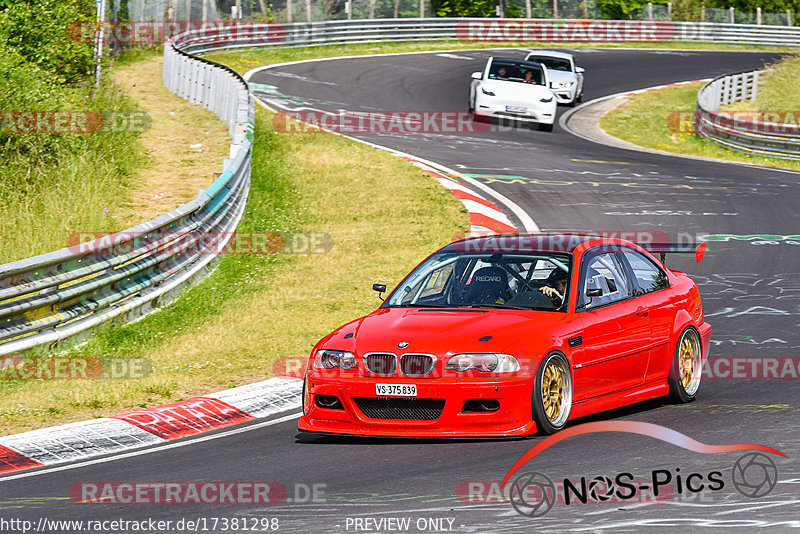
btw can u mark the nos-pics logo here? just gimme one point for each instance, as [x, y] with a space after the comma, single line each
[533, 493]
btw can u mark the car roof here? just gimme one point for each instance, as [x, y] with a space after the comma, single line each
[510, 243]
[518, 60]
[562, 55]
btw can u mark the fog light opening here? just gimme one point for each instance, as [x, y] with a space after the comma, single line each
[328, 401]
[481, 406]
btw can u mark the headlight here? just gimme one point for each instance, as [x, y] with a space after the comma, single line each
[561, 85]
[546, 99]
[484, 91]
[487, 363]
[329, 359]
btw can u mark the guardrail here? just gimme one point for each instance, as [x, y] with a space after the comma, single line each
[739, 131]
[62, 295]
[251, 35]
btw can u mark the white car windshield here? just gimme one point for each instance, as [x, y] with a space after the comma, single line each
[516, 71]
[534, 280]
[552, 63]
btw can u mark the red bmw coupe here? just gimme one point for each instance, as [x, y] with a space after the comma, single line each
[502, 336]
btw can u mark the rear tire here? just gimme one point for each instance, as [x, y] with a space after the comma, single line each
[687, 367]
[552, 394]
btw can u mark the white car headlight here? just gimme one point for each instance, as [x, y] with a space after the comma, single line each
[487, 363]
[484, 91]
[329, 359]
[561, 85]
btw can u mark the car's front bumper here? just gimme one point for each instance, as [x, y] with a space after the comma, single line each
[564, 96]
[487, 108]
[513, 418]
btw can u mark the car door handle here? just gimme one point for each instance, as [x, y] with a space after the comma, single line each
[642, 312]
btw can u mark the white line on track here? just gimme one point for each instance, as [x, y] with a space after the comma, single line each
[159, 448]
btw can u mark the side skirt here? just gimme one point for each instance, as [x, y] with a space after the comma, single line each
[618, 399]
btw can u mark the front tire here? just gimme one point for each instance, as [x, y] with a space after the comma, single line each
[552, 394]
[545, 127]
[687, 367]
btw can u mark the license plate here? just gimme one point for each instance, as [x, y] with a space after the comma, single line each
[515, 109]
[396, 390]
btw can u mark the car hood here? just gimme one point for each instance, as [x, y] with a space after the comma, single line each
[450, 331]
[561, 76]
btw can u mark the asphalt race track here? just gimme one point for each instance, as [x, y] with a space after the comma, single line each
[751, 296]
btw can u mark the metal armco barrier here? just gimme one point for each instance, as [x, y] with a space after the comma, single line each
[737, 131]
[251, 35]
[63, 295]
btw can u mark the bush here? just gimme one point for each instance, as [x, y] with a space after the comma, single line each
[39, 32]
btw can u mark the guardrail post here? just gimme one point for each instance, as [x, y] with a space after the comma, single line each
[527, 9]
[758, 16]
[649, 10]
[289, 15]
[308, 9]
[731, 15]
[555, 9]
[669, 10]
[756, 80]
[789, 18]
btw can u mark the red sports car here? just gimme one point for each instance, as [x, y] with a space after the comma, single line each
[507, 335]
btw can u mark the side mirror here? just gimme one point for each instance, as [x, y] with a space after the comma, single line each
[597, 292]
[380, 289]
[580, 70]
[477, 75]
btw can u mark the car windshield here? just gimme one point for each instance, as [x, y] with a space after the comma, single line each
[516, 71]
[553, 63]
[537, 280]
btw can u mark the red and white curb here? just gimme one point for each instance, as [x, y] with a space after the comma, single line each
[151, 426]
[485, 218]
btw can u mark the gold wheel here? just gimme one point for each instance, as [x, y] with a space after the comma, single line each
[690, 362]
[552, 390]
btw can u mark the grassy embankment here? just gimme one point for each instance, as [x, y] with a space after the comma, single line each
[383, 215]
[652, 120]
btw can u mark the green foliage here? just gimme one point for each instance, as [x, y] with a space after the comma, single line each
[618, 9]
[48, 180]
[39, 32]
[464, 8]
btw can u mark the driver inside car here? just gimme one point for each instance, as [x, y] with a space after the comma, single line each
[556, 291]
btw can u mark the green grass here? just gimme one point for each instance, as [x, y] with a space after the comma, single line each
[781, 87]
[255, 312]
[52, 184]
[653, 120]
[244, 60]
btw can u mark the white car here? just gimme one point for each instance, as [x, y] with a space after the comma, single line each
[513, 89]
[566, 79]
